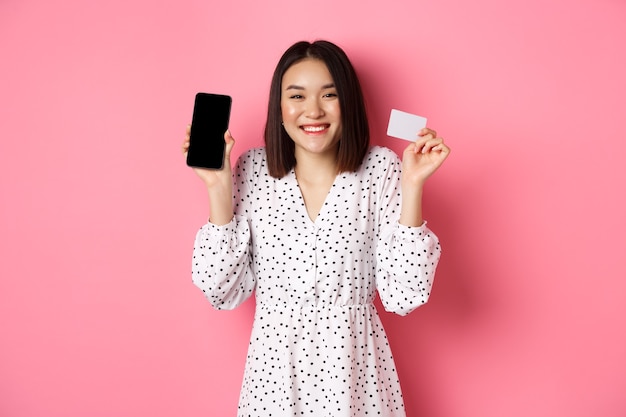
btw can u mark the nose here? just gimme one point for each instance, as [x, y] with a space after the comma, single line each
[314, 109]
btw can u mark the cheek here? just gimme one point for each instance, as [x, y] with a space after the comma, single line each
[333, 109]
[287, 111]
[286, 107]
[336, 109]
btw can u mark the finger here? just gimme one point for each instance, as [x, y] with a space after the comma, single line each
[438, 148]
[230, 142]
[427, 131]
[432, 145]
[228, 137]
[425, 143]
[418, 145]
[442, 149]
[185, 146]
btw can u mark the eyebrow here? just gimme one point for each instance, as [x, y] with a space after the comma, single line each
[297, 87]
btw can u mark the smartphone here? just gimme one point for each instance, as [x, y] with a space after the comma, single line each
[211, 114]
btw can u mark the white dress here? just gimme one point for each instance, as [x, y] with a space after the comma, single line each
[318, 347]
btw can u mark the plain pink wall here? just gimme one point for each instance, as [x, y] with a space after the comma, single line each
[98, 316]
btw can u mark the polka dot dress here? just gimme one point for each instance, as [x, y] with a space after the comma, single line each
[318, 347]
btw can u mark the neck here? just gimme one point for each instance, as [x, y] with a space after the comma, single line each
[315, 168]
[315, 171]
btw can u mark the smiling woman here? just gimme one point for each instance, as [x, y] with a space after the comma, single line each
[310, 109]
[329, 66]
[98, 316]
[338, 223]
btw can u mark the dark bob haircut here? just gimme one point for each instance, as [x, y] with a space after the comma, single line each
[354, 140]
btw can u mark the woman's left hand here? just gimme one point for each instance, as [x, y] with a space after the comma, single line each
[422, 158]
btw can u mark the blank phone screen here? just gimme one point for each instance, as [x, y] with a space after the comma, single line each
[211, 113]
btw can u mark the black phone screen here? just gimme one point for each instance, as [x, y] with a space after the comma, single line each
[211, 114]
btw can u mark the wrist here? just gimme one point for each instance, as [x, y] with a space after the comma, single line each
[411, 210]
[220, 205]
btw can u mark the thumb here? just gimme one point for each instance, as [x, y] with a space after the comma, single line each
[230, 142]
[410, 149]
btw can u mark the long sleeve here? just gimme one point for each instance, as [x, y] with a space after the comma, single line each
[407, 260]
[221, 264]
[222, 255]
[406, 257]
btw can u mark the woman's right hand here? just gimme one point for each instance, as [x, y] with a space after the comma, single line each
[213, 177]
[217, 181]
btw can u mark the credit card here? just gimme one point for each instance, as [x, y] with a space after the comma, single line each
[404, 125]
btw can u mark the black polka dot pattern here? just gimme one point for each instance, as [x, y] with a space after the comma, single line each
[318, 347]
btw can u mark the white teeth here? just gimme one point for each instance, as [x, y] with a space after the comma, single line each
[314, 128]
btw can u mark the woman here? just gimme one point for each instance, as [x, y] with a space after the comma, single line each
[320, 222]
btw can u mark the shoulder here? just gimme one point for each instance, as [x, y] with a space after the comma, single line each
[251, 164]
[380, 157]
[252, 155]
[253, 159]
[380, 167]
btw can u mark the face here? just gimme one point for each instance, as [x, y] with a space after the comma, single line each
[310, 108]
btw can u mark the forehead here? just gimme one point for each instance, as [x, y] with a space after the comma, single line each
[308, 72]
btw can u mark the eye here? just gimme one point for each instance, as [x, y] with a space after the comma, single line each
[330, 95]
[296, 97]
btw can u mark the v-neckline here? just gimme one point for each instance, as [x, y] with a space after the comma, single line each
[302, 205]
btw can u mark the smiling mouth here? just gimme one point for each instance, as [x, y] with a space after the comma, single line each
[315, 129]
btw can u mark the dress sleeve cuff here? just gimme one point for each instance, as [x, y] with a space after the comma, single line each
[412, 233]
[220, 229]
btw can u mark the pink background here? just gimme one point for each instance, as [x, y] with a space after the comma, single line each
[98, 316]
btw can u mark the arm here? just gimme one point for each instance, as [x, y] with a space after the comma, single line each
[420, 160]
[407, 252]
[407, 259]
[221, 265]
[218, 184]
